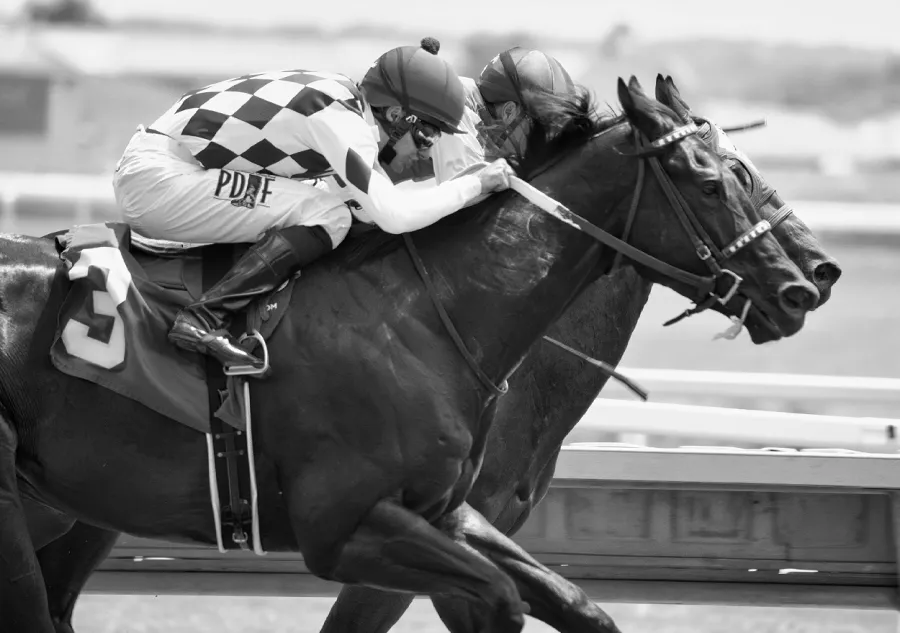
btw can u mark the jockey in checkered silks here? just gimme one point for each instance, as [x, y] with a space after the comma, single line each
[242, 160]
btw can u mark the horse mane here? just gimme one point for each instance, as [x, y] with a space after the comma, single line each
[560, 123]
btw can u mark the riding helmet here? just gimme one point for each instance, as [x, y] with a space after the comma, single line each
[424, 84]
[524, 69]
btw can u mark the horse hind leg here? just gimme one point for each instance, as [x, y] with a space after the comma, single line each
[392, 548]
[23, 600]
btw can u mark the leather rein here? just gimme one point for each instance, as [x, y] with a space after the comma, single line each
[704, 287]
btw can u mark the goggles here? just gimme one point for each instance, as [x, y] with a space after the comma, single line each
[423, 136]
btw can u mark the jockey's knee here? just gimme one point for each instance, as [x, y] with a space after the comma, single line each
[337, 224]
[307, 242]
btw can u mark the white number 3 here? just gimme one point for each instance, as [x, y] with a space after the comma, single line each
[75, 334]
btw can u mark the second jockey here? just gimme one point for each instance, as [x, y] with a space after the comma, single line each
[238, 161]
[498, 115]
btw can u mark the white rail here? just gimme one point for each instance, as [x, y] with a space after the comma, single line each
[741, 426]
[751, 469]
[666, 383]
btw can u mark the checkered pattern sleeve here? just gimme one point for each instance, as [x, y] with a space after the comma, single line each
[347, 144]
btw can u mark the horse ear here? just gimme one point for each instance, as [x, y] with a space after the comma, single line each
[624, 96]
[667, 93]
[661, 88]
[639, 108]
[635, 86]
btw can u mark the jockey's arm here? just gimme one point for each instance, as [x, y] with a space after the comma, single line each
[454, 153]
[346, 141]
[454, 156]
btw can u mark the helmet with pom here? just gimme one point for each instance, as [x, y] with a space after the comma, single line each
[419, 81]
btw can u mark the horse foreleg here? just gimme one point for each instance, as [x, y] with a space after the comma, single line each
[550, 597]
[67, 563]
[23, 600]
[395, 549]
[361, 609]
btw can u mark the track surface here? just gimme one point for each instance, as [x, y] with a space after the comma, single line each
[146, 614]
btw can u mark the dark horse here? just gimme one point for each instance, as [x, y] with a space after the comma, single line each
[547, 396]
[371, 430]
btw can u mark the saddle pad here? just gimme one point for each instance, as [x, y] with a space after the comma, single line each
[114, 321]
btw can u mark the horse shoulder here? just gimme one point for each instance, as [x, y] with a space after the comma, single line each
[366, 330]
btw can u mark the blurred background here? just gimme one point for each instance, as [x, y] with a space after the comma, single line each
[77, 77]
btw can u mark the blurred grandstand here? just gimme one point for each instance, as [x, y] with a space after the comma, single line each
[71, 94]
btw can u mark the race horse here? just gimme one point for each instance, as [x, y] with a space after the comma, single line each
[372, 427]
[548, 395]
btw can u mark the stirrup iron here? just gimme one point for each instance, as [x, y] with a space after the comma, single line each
[250, 370]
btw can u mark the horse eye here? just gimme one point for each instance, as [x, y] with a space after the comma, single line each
[710, 188]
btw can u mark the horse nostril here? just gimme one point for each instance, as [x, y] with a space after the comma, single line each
[798, 298]
[826, 274]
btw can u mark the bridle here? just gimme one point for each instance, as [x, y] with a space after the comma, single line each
[720, 286]
[760, 194]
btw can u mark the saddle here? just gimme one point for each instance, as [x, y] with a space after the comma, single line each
[178, 266]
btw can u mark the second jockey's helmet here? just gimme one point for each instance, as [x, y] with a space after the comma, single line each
[517, 69]
[424, 84]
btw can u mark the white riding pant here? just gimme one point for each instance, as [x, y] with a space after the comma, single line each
[164, 193]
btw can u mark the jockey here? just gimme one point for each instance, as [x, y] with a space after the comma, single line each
[497, 120]
[241, 161]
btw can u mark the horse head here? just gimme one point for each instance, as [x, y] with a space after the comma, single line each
[698, 218]
[792, 233]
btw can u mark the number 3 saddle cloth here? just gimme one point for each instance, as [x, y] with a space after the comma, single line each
[117, 310]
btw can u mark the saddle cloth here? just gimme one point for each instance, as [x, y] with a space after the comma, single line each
[122, 298]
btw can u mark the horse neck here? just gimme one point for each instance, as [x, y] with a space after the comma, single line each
[505, 278]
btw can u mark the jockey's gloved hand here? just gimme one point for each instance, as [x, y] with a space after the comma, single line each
[495, 177]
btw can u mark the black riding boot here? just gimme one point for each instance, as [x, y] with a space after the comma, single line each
[203, 326]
